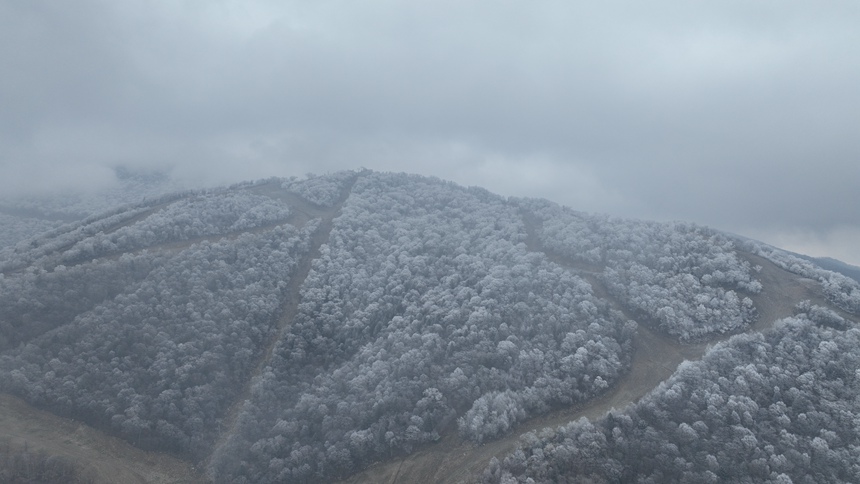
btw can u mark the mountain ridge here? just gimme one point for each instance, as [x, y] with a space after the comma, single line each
[438, 277]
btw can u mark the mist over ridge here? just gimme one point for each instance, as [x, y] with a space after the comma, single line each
[304, 329]
[735, 115]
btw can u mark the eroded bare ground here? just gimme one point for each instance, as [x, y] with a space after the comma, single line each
[104, 458]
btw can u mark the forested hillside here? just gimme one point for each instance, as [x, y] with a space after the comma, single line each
[22, 217]
[301, 330]
[777, 407]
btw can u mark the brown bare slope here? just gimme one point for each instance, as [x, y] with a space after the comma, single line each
[104, 458]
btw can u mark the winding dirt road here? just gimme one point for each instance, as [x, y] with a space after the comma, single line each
[109, 460]
[450, 460]
[292, 295]
[656, 357]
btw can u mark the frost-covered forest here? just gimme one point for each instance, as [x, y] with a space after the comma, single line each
[687, 279]
[22, 217]
[299, 330]
[777, 407]
[424, 308]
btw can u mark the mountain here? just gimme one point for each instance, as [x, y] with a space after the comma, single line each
[23, 217]
[388, 327]
[834, 265]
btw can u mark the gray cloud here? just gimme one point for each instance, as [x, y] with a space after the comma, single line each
[739, 115]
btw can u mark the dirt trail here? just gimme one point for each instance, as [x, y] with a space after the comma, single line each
[113, 228]
[109, 459]
[292, 294]
[450, 460]
[455, 460]
[782, 290]
[301, 212]
[655, 359]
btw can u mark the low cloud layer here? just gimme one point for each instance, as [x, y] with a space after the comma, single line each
[739, 115]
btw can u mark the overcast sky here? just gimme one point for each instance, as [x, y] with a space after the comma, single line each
[741, 115]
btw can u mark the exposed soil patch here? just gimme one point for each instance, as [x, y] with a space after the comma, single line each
[782, 290]
[99, 456]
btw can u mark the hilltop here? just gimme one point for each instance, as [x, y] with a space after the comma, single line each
[365, 325]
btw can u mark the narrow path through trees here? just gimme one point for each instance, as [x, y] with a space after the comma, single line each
[452, 459]
[304, 211]
[110, 459]
[656, 357]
